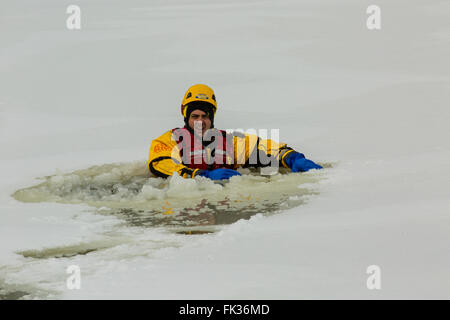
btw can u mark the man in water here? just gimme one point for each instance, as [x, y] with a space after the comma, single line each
[199, 149]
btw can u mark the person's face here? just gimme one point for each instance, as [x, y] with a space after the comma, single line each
[201, 116]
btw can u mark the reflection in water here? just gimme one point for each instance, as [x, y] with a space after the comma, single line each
[205, 213]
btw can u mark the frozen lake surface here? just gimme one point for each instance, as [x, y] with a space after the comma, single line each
[79, 108]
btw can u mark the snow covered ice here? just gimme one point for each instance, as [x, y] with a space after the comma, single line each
[374, 104]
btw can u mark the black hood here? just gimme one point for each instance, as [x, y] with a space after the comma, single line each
[199, 105]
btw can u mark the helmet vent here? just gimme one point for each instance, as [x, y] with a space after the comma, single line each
[189, 95]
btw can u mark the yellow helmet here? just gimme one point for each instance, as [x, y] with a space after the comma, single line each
[198, 92]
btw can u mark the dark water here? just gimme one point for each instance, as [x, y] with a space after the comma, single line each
[11, 295]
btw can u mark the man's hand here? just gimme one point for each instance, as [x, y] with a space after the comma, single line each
[298, 163]
[219, 174]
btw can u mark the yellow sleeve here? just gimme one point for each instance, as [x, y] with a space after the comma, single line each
[164, 158]
[251, 150]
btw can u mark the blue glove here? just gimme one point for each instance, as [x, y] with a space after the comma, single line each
[219, 174]
[298, 163]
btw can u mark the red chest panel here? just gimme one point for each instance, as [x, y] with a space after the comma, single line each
[211, 152]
